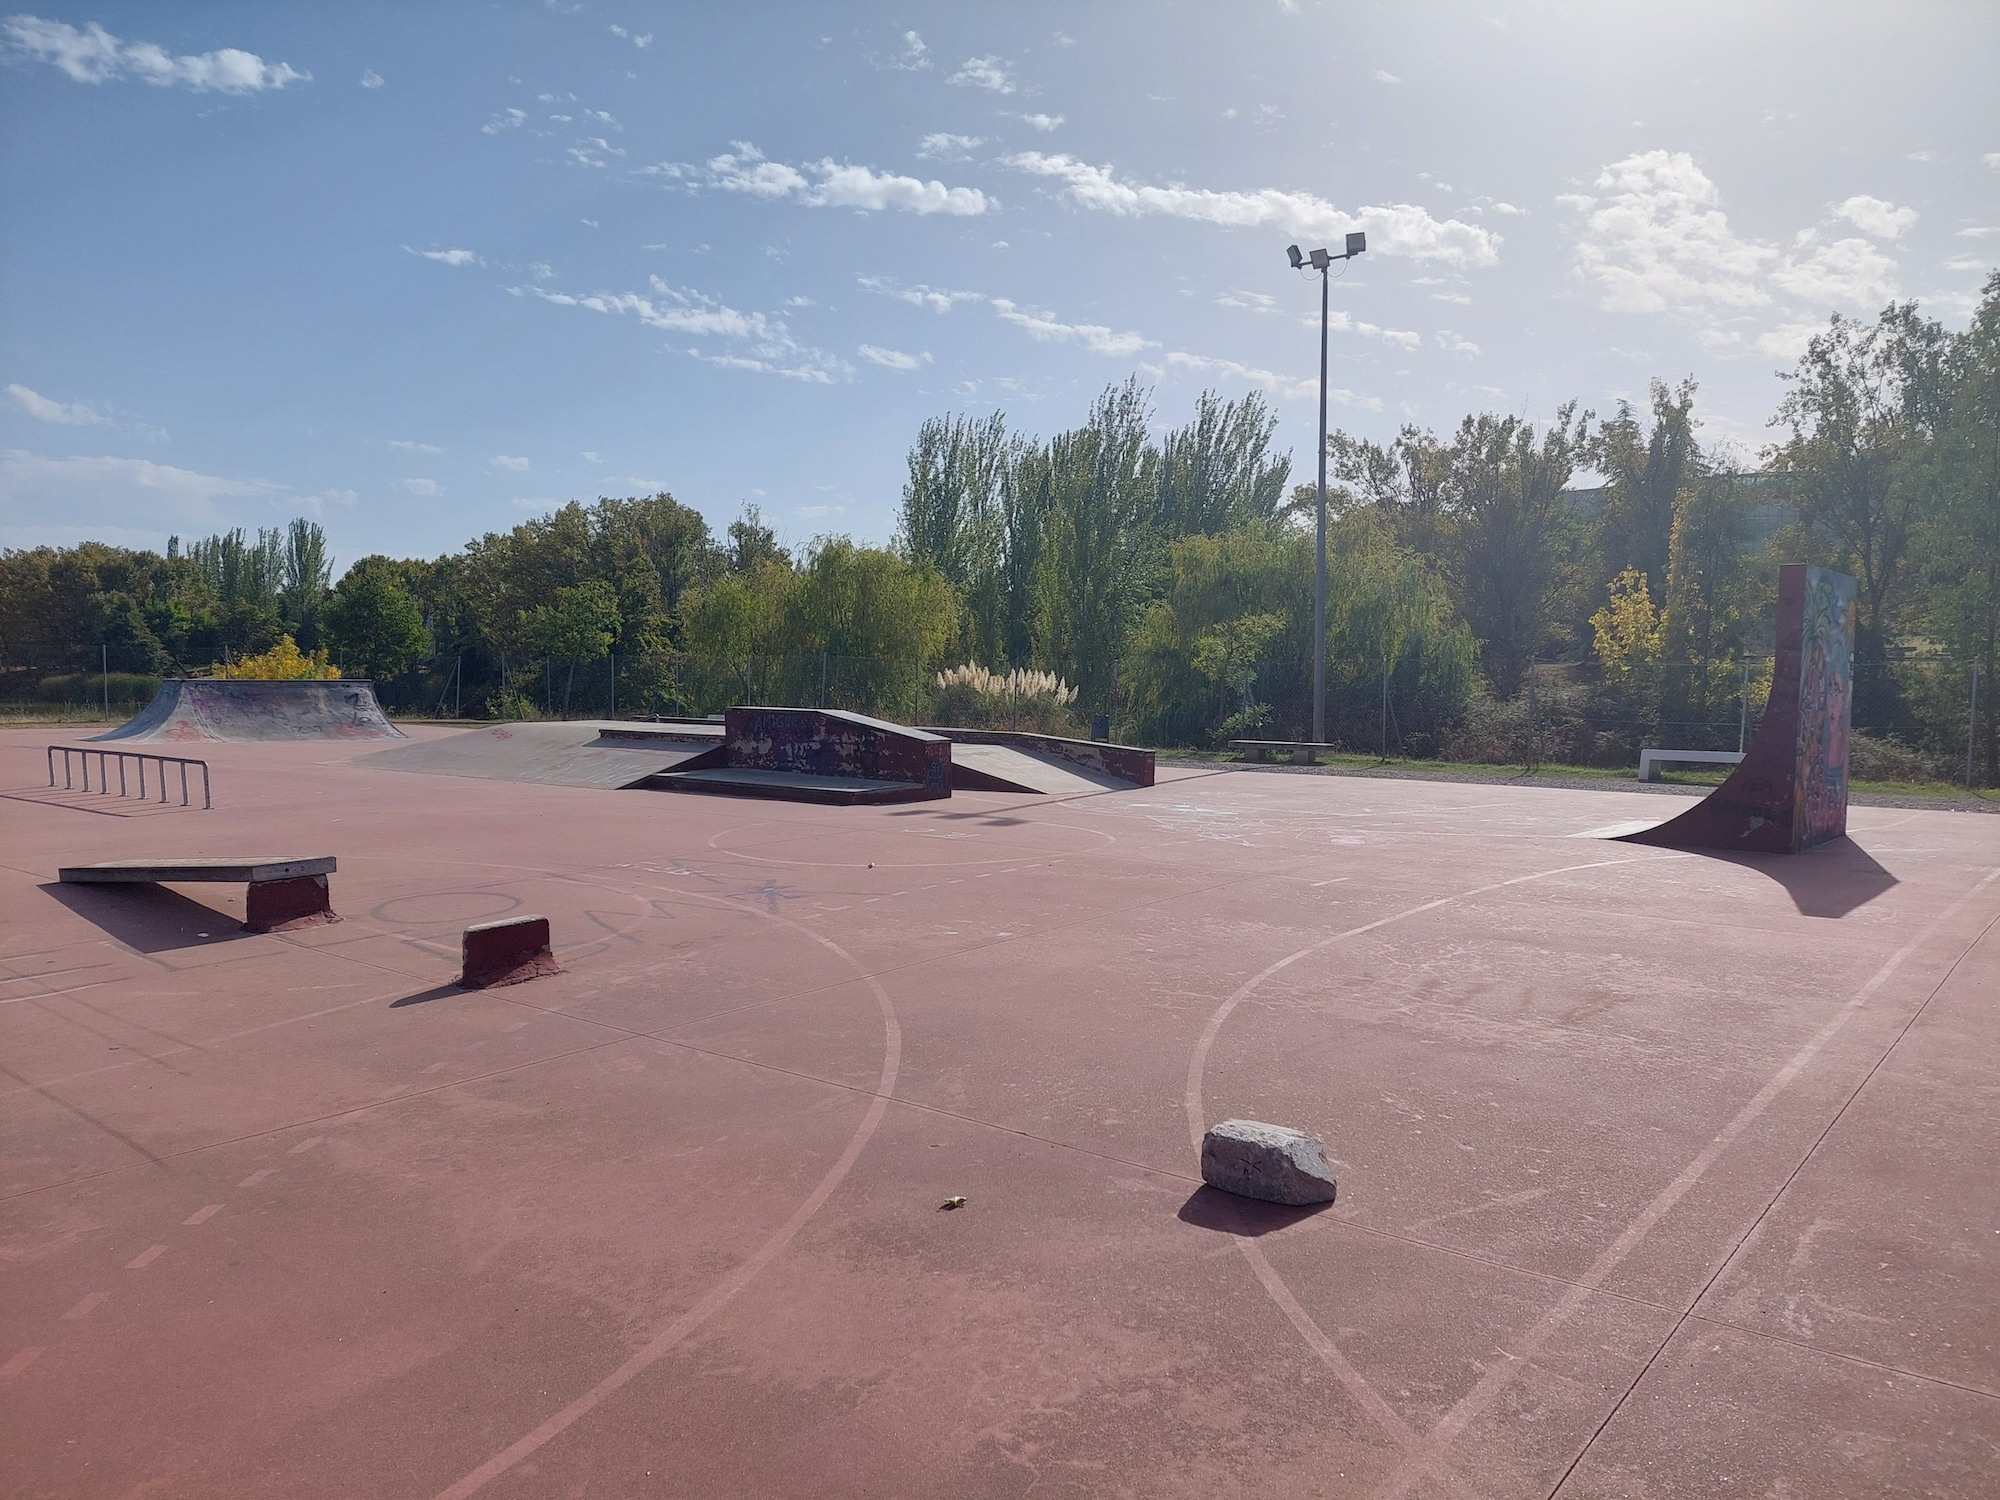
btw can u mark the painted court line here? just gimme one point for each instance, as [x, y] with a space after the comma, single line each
[202, 1215]
[145, 1258]
[19, 1362]
[87, 1306]
[306, 1145]
[256, 1177]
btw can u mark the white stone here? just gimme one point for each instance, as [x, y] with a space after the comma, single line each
[1272, 1162]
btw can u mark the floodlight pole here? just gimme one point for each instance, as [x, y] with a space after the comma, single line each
[1322, 262]
[1319, 553]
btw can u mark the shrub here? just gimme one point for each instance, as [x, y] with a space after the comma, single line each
[283, 662]
[971, 697]
[1877, 758]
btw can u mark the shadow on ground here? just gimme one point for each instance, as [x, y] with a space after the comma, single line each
[149, 918]
[1247, 1218]
[1829, 881]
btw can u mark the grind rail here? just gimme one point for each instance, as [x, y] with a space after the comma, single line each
[139, 758]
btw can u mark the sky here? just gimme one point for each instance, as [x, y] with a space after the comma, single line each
[425, 271]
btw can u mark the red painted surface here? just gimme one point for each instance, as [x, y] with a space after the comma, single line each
[514, 951]
[282, 905]
[1658, 1165]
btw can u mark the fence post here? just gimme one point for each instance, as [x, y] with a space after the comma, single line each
[614, 684]
[107, 679]
[1743, 723]
[1971, 726]
[1534, 736]
[1385, 705]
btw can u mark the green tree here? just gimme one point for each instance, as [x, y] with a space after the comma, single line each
[1645, 472]
[373, 623]
[580, 623]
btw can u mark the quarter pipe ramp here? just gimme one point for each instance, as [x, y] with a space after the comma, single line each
[219, 708]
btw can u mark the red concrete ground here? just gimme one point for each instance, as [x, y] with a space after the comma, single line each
[1661, 1174]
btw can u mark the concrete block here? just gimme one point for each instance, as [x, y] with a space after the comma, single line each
[281, 905]
[1271, 1162]
[509, 952]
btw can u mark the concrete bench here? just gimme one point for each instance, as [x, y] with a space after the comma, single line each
[284, 893]
[1650, 761]
[1298, 752]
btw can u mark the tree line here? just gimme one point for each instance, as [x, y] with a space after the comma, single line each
[1610, 579]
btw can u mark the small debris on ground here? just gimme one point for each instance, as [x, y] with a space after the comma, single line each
[949, 1204]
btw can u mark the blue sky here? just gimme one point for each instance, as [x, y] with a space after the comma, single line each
[424, 271]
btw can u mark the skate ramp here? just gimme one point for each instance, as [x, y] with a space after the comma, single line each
[580, 752]
[218, 708]
[816, 755]
[1003, 768]
[1790, 790]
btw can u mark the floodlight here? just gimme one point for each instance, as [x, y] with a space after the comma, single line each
[1320, 260]
[1356, 243]
[1297, 259]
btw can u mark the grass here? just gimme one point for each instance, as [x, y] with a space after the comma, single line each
[1610, 774]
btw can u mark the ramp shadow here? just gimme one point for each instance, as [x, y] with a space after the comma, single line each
[149, 918]
[1830, 881]
[1247, 1218]
[435, 992]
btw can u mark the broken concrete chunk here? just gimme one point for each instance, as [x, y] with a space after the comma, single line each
[1272, 1162]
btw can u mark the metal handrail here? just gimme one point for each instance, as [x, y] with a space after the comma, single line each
[141, 757]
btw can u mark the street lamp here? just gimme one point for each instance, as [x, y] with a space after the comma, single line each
[1320, 261]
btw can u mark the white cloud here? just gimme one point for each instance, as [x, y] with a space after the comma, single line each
[941, 145]
[372, 79]
[1294, 386]
[542, 270]
[404, 445]
[508, 461]
[934, 298]
[103, 492]
[637, 41]
[1788, 340]
[1979, 232]
[591, 458]
[1341, 322]
[893, 359]
[1965, 263]
[508, 119]
[1876, 216]
[1042, 122]
[1393, 229]
[1658, 241]
[1093, 336]
[984, 73]
[1507, 208]
[66, 413]
[840, 184]
[1383, 76]
[1992, 159]
[419, 486]
[768, 345]
[449, 257]
[1454, 343]
[1249, 301]
[94, 55]
[593, 151]
[909, 57]
[1846, 273]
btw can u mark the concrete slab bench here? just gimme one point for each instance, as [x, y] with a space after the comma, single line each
[1298, 752]
[1650, 761]
[283, 893]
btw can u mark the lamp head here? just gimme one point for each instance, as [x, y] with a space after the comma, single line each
[1356, 243]
[1297, 259]
[1320, 260]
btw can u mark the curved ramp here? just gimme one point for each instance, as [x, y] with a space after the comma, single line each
[219, 708]
[1790, 790]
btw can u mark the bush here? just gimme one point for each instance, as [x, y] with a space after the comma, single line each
[284, 662]
[87, 688]
[1877, 758]
[971, 697]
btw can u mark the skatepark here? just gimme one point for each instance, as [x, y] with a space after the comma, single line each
[1661, 1171]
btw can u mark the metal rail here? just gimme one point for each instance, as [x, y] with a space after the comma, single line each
[140, 758]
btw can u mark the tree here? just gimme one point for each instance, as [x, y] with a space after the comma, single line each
[307, 570]
[580, 623]
[1646, 472]
[372, 621]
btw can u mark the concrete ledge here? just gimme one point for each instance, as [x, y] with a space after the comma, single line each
[510, 952]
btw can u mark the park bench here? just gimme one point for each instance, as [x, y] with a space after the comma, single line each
[1650, 761]
[1298, 752]
[283, 893]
